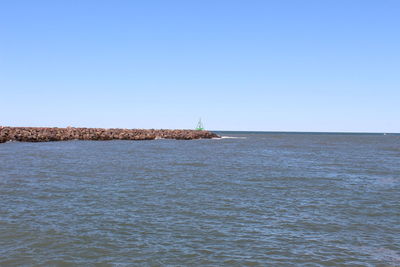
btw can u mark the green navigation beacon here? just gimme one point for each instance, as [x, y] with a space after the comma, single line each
[199, 126]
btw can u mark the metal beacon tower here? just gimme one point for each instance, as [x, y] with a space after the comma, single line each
[200, 126]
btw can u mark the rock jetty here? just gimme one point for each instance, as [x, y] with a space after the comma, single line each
[39, 134]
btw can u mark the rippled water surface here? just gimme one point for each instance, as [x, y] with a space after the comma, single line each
[263, 199]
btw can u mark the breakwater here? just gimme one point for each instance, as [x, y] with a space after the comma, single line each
[45, 134]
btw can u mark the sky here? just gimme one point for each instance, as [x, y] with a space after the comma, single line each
[280, 65]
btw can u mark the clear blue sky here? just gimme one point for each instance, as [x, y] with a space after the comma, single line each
[240, 65]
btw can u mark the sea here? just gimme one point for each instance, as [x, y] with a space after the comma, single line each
[247, 199]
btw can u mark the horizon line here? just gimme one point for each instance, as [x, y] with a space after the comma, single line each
[305, 132]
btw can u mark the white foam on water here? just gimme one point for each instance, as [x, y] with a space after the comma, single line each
[230, 137]
[233, 137]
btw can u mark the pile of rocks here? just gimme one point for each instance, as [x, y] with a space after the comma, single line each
[36, 134]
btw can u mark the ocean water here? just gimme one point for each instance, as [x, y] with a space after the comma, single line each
[254, 199]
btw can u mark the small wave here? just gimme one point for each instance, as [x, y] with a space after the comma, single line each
[382, 254]
[232, 137]
[192, 164]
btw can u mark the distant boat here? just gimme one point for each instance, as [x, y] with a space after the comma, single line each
[200, 126]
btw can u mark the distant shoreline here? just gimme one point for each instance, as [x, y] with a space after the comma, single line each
[49, 134]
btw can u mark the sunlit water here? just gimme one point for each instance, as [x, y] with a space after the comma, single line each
[263, 199]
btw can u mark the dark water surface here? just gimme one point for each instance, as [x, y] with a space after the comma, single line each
[263, 199]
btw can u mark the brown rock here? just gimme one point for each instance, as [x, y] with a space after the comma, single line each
[31, 134]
